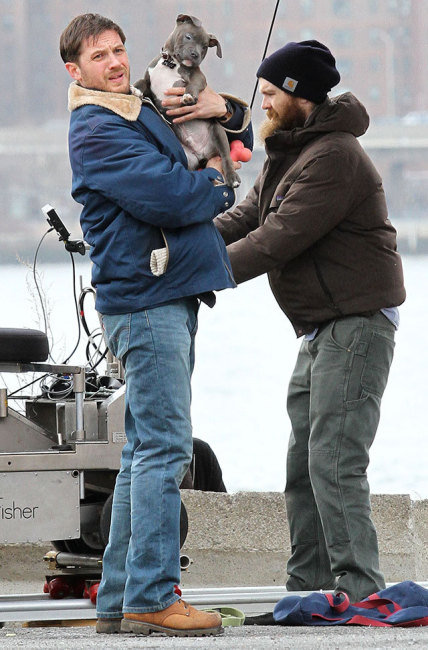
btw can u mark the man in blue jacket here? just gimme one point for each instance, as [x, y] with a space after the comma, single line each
[155, 255]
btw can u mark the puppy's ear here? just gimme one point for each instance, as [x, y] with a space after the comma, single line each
[213, 41]
[184, 18]
[169, 44]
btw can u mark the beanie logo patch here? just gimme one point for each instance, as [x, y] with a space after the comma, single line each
[290, 84]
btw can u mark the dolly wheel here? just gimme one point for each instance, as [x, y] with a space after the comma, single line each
[58, 588]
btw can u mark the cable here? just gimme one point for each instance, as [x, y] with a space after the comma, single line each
[60, 388]
[30, 383]
[43, 386]
[266, 47]
[91, 335]
[97, 348]
[45, 320]
[79, 329]
[103, 356]
[82, 297]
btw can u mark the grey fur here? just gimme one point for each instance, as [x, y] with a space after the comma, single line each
[178, 65]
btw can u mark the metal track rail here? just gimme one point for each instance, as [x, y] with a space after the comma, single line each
[41, 607]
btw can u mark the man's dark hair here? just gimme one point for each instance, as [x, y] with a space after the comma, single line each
[81, 28]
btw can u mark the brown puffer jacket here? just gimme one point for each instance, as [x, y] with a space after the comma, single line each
[316, 221]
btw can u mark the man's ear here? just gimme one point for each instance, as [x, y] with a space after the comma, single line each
[306, 104]
[73, 70]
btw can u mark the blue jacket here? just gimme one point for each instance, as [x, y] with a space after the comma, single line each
[130, 174]
[404, 604]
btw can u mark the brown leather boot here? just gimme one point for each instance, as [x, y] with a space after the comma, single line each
[108, 625]
[179, 619]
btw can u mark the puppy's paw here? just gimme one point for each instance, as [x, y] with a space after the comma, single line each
[188, 99]
[232, 179]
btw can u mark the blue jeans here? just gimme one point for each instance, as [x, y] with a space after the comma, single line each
[334, 402]
[141, 563]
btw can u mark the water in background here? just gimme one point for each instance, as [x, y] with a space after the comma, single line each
[246, 350]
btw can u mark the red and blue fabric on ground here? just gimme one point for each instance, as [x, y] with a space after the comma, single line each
[404, 604]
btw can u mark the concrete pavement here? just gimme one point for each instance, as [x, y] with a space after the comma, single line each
[234, 638]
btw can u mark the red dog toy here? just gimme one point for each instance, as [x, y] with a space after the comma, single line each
[238, 152]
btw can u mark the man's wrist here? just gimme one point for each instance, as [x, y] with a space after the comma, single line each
[229, 111]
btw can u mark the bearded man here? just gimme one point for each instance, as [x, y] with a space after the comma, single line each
[316, 222]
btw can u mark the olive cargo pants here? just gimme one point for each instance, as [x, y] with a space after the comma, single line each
[334, 406]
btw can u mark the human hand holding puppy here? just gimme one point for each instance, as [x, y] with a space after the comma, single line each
[215, 162]
[210, 104]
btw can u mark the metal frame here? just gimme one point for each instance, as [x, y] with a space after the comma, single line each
[77, 435]
[78, 373]
[41, 607]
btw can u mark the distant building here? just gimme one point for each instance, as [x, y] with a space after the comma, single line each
[381, 49]
[381, 46]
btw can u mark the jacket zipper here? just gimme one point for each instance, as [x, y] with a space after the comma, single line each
[326, 290]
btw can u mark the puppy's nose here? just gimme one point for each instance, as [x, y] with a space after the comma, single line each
[194, 54]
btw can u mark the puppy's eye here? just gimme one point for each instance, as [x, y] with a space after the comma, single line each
[188, 37]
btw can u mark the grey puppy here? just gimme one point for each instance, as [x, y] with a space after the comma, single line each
[176, 66]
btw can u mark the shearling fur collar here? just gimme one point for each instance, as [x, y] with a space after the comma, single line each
[127, 106]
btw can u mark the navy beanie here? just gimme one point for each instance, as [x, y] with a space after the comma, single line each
[306, 69]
